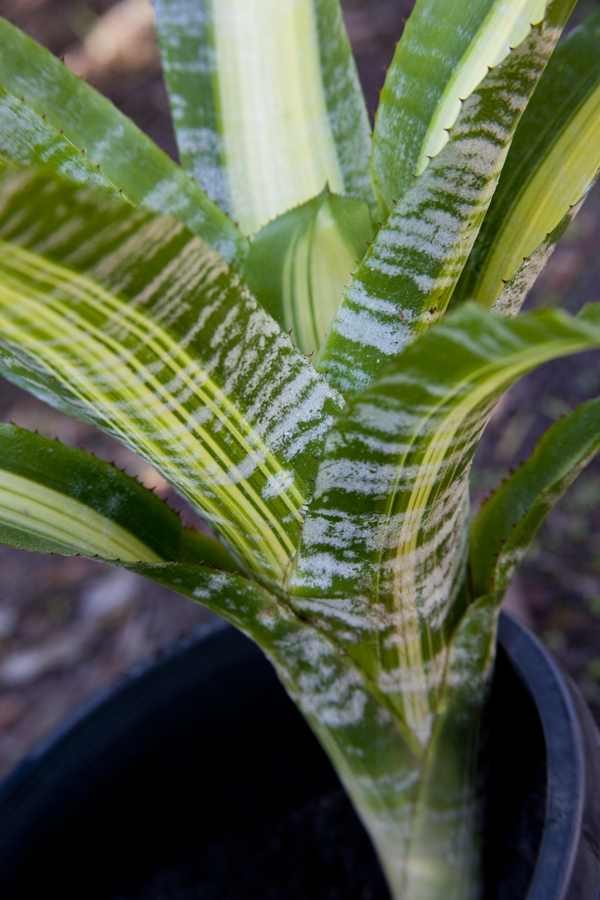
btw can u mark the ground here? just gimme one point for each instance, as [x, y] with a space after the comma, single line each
[70, 626]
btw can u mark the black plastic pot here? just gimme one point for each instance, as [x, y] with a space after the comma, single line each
[197, 778]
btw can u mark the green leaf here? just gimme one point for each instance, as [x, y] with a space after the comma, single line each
[299, 264]
[127, 320]
[407, 277]
[509, 520]
[28, 139]
[382, 560]
[372, 752]
[128, 158]
[552, 162]
[444, 857]
[515, 290]
[56, 499]
[445, 51]
[61, 500]
[266, 102]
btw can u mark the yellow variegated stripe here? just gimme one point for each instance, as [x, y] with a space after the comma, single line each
[505, 26]
[409, 273]
[569, 166]
[388, 523]
[140, 409]
[51, 515]
[277, 139]
[494, 380]
[316, 268]
[444, 54]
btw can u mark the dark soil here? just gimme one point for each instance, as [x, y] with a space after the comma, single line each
[316, 850]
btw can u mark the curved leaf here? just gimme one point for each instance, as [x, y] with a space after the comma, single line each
[445, 51]
[266, 101]
[128, 158]
[382, 559]
[299, 264]
[127, 320]
[407, 277]
[552, 162]
[29, 140]
[56, 499]
[509, 520]
[516, 288]
[373, 754]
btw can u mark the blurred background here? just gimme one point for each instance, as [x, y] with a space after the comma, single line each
[70, 626]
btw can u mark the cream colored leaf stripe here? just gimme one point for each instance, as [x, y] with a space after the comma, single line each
[266, 101]
[408, 274]
[421, 99]
[401, 454]
[49, 514]
[91, 365]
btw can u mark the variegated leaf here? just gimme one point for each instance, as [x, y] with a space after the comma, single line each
[56, 499]
[61, 500]
[127, 157]
[375, 756]
[509, 520]
[127, 320]
[266, 101]
[516, 288]
[383, 554]
[552, 162]
[29, 140]
[299, 264]
[444, 858]
[409, 273]
[445, 51]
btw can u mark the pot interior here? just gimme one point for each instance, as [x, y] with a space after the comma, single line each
[199, 779]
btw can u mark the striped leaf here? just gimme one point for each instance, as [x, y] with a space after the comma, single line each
[445, 51]
[129, 160]
[374, 755]
[266, 102]
[516, 289]
[552, 162]
[509, 520]
[382, 561]
[29, 140]
[444, 858]
[129, 321]
[300, 263]
[61, 500]
[407, 277]
[56, 499]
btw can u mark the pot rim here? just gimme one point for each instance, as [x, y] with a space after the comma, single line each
[566, 785]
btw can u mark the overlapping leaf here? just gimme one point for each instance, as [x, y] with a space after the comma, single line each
[409, 273]
[266, 102]
[299, 264]
[56, 499]
[127, 157]
[509, 520]
[28, 139]
[129, 321]
[444, 855]
[374, 755]
[516, 289]
[552, 162]
[445, 51]
[382, 558]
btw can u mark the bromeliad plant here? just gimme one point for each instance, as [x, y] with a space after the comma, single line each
[331, 461]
